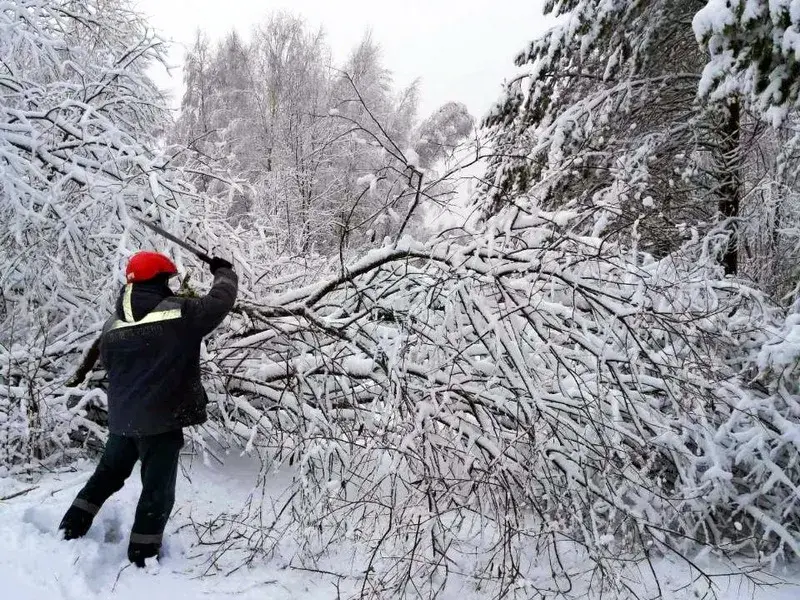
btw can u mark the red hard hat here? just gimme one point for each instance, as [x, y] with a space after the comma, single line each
[146, 265]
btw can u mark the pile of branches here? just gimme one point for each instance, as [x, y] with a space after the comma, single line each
[474, 404]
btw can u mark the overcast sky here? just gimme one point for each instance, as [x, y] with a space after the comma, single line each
[461, 50]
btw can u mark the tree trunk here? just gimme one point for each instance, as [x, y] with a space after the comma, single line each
[731, 186]
[306, 217]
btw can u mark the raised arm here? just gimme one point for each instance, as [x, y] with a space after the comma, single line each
[204, 314]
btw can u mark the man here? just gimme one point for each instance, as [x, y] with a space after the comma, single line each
[151, 351]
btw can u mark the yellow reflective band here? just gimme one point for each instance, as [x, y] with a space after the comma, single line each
[153, 317]
[127, 307]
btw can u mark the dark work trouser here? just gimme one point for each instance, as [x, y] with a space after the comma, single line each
[159, 455]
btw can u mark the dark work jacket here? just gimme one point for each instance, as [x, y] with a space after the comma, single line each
[151, 351]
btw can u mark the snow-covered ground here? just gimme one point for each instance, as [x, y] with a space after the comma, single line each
[36, 565]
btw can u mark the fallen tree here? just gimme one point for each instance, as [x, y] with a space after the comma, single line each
[514, 390]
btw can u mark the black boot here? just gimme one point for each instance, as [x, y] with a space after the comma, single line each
[137, 553]
[76, 523]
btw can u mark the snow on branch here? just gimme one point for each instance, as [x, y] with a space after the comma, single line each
[524, 367]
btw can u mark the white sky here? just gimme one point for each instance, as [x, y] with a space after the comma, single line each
[461, 50]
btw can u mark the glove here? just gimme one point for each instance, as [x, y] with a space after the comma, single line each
[217, 263]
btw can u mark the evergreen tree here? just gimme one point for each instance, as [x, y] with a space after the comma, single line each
[604, 116]
[754, 48]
